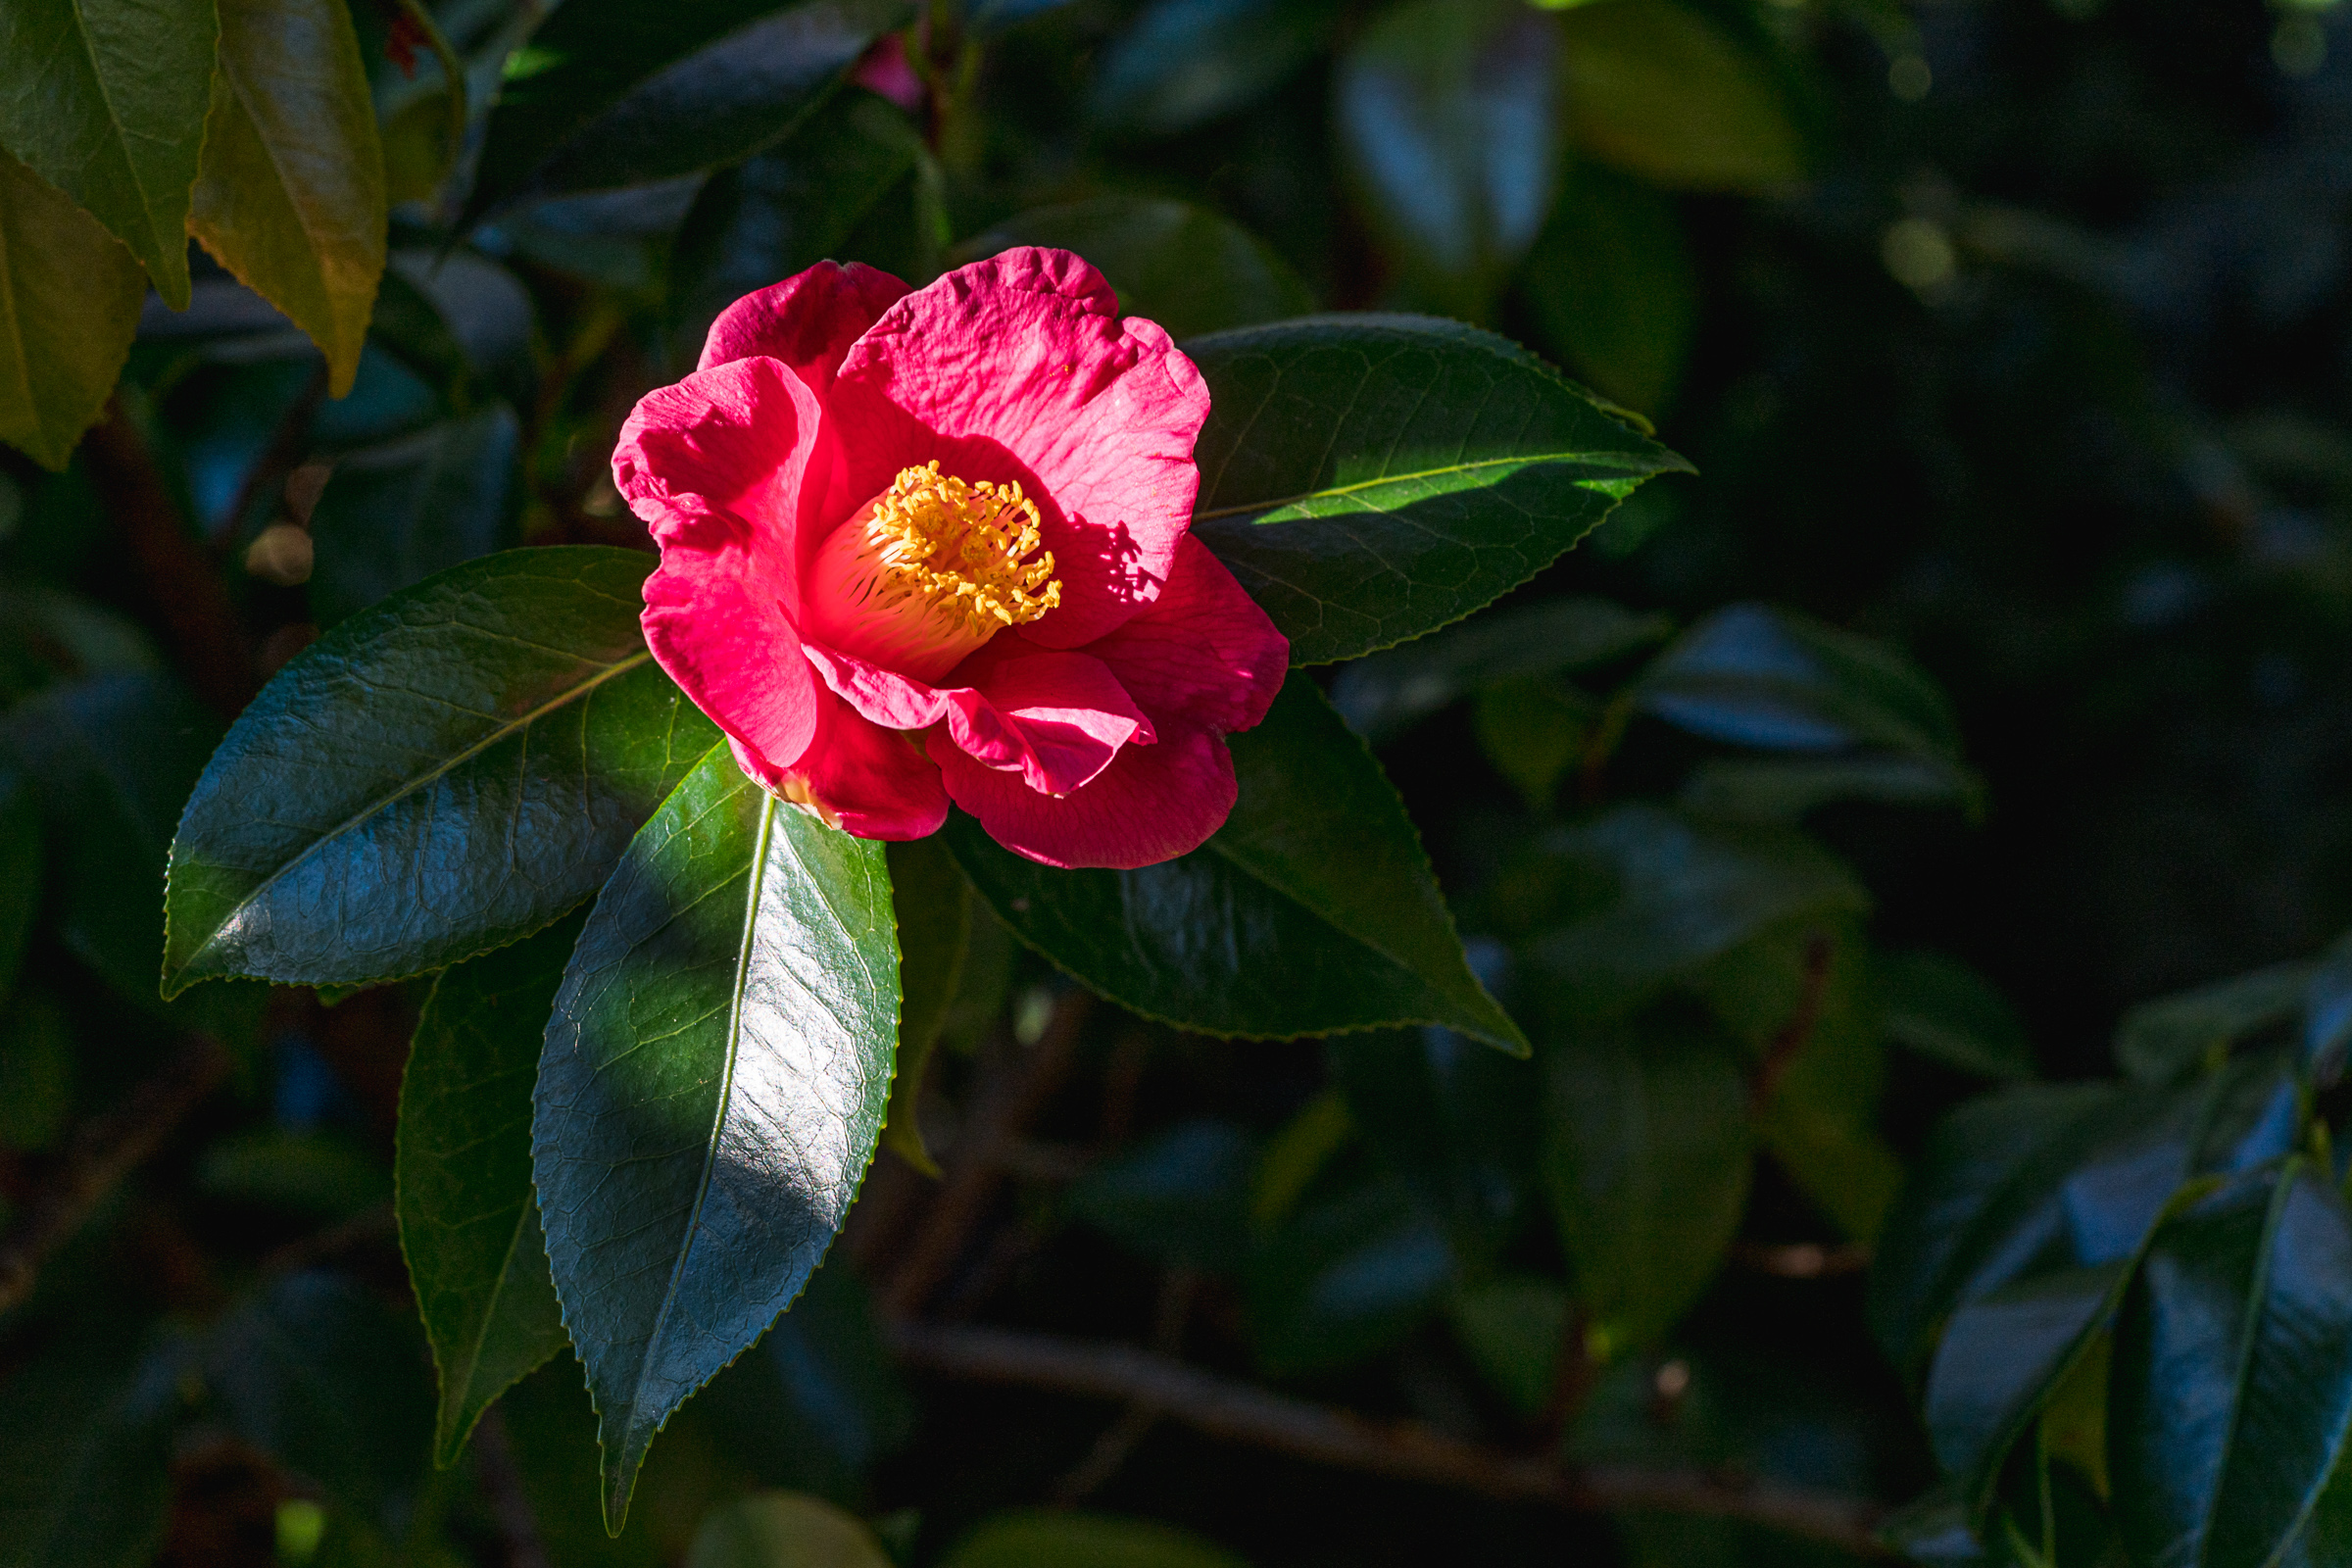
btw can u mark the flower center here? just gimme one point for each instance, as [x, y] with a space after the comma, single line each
[928, 570]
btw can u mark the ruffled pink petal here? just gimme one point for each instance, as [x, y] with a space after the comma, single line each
[1151, 804]
[809, 320]
[717, 466]
[1202, 650]
[865, 779]
[1054, 719]
[1017, 368]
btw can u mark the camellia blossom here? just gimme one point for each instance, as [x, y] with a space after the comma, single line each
[932, 545]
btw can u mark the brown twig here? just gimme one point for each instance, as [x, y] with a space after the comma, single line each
[1014, 1096]
[107, 1148]
[1117, 1442]
[1801, 1023]
[1241, 1412]
[370, 1225]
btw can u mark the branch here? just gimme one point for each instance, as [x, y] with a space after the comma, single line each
[1241, 1412]
[105, 1149]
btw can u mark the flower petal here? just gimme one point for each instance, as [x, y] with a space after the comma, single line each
[1018, 368]
[1151, 804]
[809, 320]
[1203, 651]
[1054, 719]
[716, 465]
[860, 777]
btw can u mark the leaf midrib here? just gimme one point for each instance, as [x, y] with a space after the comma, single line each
[424, 780]
[1618, 458]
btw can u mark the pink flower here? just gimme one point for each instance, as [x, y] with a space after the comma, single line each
[886, 69]
[928, 546]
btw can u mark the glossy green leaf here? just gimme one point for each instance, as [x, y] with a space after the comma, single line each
[2230, 1398]
[1346, 1275]
[615, 92]
[319, 1375]
[1369, 478]
[1311, 912]
[933, 903]
[1449, 122]
[447, 771]
[2160, 1041]
[1666, 895]
[1065, 1540]
[853, 183]
[85, 1454]
[1646, 1160]
[1946, 1011]
[1182, 63]
[1178, 264]
[1780, 681]
[1611, 287]
[468, 1222]
[106, 99]
[19, 873]
[291, 194]
[783, 1529]
[1660, 92]
[68, 307]
[395, 514]
[712, 1090]
[1459, 1123]
[1385, 694]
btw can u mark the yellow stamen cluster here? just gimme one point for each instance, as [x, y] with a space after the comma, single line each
[930, 569]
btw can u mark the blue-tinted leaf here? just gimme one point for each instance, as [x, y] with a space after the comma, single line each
[2160, 1041]
[1770, 678]
[1183, 62]
[1181, 1199]
[1346, 1276]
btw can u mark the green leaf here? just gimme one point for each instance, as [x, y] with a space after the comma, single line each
[1369, 478]
[1346, 1275]
[291, 194]
[1659, 92]
[551, 1430]
[616, 92]
[1780, 681]
[1512, 1329]
[393, 514]
[1646, 1160]
[317, 1373]
[1941, 1008]
[1449, 120]
[447, 772]
[1180, 1199]
[1311, 912]
[36, 1071]
[2231, 1393]
[468, 1222]
[85, 1454]
[69, 308]
[854, 182]
[783, 1529]
[19, 874]
[1182, 63]
[1066, 1539]
[933, 902]
[1181, 266]
[1785, 789]
[105, 99]
[2160, 1041]
[1387, 694]
[712, 1090]
[1672, 896]
[1460, 1124]
[1534, 730]
[1611, 286]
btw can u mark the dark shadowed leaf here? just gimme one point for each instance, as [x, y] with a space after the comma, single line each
[317, 1373]
[19, 873]
[1181, 266]
[1612, 289]
[2232, 1383]
[1534, 729]
[551, 1431]
[2161, 1041]
[1369, 478]
[1346, 1275]
[1946, 1011]
[1646, 1160]
[1183, 62]
[1312, 910]
[933, 902]
[616, 92]
[712, 1092]
[85, 1454]
[1385, 694]
[291, 194]
[1449, 118]
[1773, 679]
[1458, 1122]
[106, 99]
[783, 1529]
[468, 1222]
[69, 308]
[1658, 91]
[394, 514]
[1783, 789]
[1063, 1539]
[1513, 1327]
[1181, 1199]
[446, 772]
